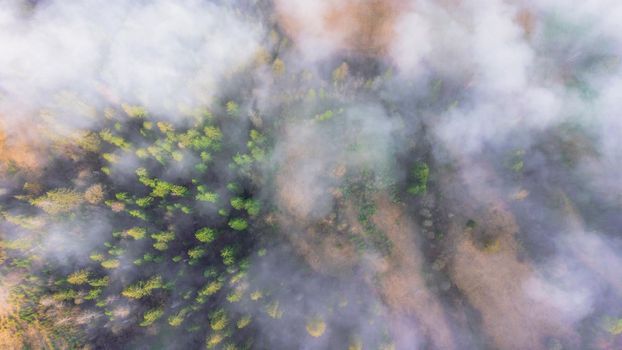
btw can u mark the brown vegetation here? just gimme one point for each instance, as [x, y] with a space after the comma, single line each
[487, 269]
[402, 284]
[94, 194]
[359, 26]
[16, 334]
[299, 182]
[352, 25]
[17, 148]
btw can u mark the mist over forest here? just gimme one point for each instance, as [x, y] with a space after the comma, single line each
[311, 174]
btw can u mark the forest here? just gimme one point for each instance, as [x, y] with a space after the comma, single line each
[273, 174]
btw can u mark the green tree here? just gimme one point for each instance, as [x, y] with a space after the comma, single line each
[420, 174]
[211, 197]
[142, 289]
[244, 321]
[228, 255]
[206, 235]
[252, 207]
[177, 319]
[150, 316]
[196, 253]
[237, 203]
[136, 232]
[110, 264]
[238, 224]
[218, 320]
[79, 277]
[316, 326]
[162, 239]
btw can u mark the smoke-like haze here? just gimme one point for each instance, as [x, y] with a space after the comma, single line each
[511, 239]
[163, 55]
